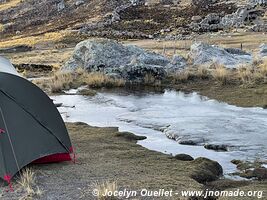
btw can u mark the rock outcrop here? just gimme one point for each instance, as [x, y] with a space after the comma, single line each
[125, 61]
[203, 53]
[217, 21]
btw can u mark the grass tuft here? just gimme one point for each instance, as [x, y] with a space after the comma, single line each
[102, 188]
[64, 80]
[99, 79]
[27, 183]
[220, 73]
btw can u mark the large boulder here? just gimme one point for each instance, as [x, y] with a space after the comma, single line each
[202, 53]
[127, 61]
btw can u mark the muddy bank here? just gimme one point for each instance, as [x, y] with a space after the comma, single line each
[104, 154]
[254, 95]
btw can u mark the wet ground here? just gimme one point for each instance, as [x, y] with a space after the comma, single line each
[189, 118]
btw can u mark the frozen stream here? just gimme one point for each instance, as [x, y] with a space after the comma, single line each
[188, 117]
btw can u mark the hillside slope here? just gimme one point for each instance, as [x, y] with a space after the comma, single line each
[35, 17]
[125, 19]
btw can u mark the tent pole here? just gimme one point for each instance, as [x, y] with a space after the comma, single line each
[9, 138]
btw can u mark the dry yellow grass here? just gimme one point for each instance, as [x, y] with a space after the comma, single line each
[33, 40]
[1, 27]
[246, 74]
[243, 74]
[103, 188]
[191, 73]
[202, 72]
[251, 74]
[182, 76]
[28, 184]
[98, 80]
[64, 80]
[9, 4]
[61, 81]
[263, 67]
[151, 80]
[55, 58]
[58, 82]
[220, 73]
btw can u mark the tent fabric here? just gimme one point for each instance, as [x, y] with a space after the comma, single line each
[7, 67]
[31, 127]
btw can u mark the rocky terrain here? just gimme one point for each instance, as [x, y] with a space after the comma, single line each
[130, 19]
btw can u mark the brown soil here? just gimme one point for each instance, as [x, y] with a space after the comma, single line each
[235, 94]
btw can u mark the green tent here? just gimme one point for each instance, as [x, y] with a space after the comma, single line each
[31, 128]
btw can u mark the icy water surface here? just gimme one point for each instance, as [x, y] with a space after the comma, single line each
[185, 117]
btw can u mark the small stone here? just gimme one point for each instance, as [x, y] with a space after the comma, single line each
[183, 157]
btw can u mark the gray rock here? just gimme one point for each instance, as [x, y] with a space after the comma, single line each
[216, 147]
[137, 2]
[61, 6]
[203, 53]
[178, 62]
[263, 50]
[183, 157]
[79, 2]
[196, 18]
[237, 51]
[138, 71]
[127, 61]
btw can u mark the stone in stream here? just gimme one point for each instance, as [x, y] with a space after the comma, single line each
[202, 53]
[183, 157]
[125, 61]
[216, 147]
[188, 142]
